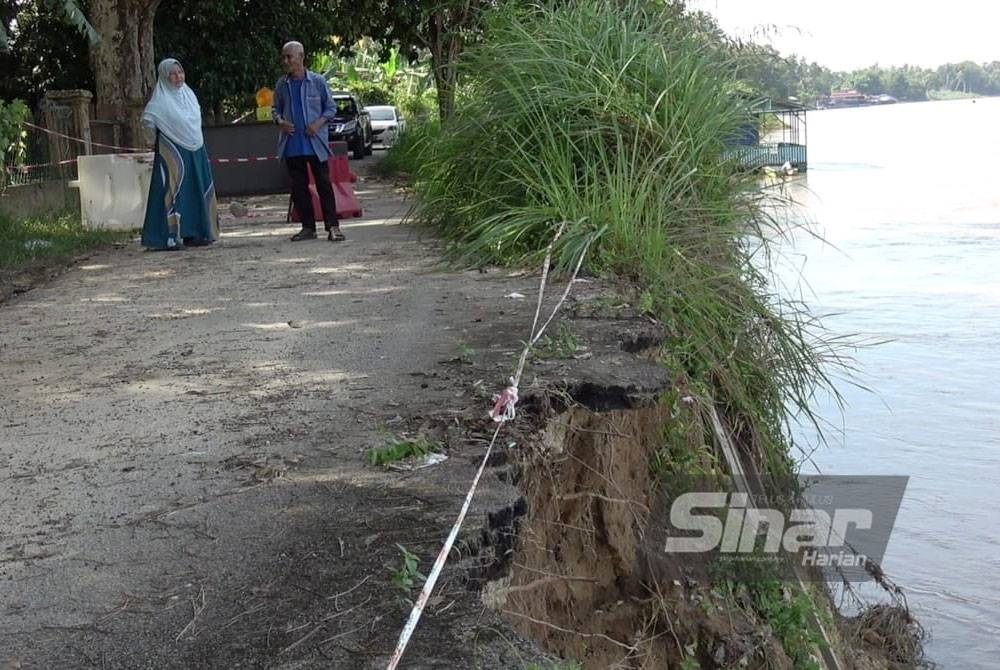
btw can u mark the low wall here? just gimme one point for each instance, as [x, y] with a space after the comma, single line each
[243, 159]
[261, 173]
[19, 202]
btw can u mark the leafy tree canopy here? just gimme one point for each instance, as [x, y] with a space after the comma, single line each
[231, 48]
[43, 53]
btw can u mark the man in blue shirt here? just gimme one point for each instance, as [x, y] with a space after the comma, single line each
[303, 108]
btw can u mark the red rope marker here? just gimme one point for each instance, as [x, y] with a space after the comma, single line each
[504, 408]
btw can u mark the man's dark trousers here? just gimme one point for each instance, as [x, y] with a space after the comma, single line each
[298, 167]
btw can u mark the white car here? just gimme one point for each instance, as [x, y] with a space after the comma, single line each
[387, 124]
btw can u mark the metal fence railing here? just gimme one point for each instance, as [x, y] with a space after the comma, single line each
[27, 161]
[47, 148]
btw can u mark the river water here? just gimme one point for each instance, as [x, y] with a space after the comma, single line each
[907, 198]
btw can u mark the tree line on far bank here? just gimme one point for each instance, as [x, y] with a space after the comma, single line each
[763, 71]
[785, 77]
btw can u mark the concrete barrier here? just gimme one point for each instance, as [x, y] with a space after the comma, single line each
[113, 189]
[341, 179]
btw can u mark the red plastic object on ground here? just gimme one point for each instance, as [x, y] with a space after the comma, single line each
[341, 179]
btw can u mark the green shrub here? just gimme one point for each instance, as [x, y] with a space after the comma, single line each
[12, 135]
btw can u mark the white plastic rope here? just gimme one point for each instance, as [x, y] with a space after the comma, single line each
[502, 412]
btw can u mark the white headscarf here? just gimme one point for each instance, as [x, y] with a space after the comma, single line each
[174, 111]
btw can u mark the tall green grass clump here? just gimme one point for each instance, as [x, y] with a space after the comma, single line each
[405, 156]
[614, 117]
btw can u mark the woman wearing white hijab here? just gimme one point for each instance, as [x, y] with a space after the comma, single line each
[181, 209]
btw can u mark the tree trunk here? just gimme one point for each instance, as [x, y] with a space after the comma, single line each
[444, 81]
[447, 25]
[123, 62]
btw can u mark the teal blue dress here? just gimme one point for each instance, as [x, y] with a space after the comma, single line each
[181, 209]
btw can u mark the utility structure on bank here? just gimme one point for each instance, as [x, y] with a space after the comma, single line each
[775, 137]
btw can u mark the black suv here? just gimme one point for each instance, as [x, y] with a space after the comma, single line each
[352, 124]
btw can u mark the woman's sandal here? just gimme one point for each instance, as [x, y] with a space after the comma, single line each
[335, 236]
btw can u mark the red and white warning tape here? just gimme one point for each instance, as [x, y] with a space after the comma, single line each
[83, 141]
[251, 159]
[25, 168]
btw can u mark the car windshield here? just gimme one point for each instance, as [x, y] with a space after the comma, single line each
[345, 107]
[381, 114]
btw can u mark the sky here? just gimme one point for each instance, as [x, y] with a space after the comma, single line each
[852, 34]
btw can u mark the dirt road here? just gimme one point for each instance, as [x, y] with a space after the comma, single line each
[182, 441]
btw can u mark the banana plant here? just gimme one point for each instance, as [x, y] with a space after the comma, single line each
[336, 71]
[70, 11]
[391, 66]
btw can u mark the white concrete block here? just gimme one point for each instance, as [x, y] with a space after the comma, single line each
[113, 189]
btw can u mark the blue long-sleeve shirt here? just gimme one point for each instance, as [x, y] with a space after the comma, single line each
[316, 102]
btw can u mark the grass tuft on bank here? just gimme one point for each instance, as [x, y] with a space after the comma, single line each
[33, 246]
[57, 237]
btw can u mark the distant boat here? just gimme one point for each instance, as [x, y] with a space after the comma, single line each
[853, 99]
